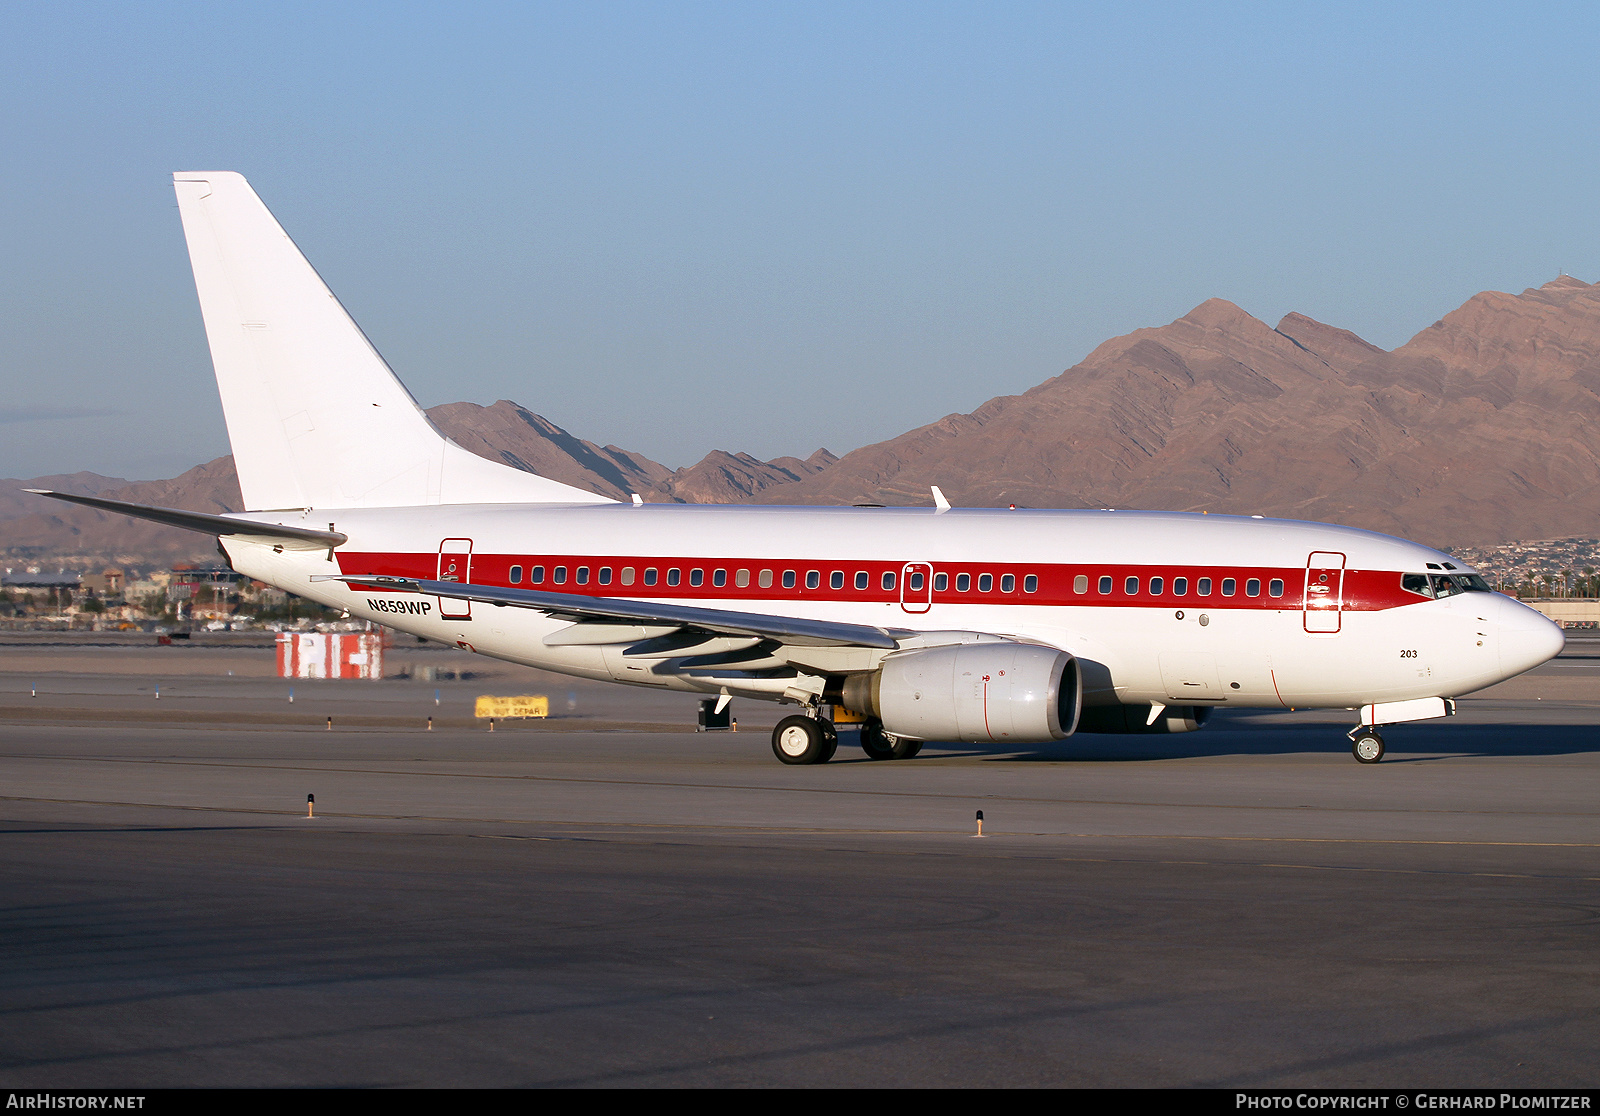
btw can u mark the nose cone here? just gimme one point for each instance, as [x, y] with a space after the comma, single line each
[1526, 638]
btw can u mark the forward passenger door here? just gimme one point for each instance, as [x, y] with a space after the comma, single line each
[1323, 604]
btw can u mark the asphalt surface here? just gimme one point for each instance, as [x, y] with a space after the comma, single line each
[609, 899]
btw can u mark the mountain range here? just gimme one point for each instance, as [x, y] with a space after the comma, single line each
[1481, 429]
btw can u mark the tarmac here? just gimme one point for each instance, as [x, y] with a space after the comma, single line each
[607, 898]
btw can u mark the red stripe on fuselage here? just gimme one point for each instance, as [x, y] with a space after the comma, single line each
[1364, 590]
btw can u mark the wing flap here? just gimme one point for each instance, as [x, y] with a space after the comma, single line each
[790, 630]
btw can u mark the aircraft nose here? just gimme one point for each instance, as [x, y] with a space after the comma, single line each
[1526, 638]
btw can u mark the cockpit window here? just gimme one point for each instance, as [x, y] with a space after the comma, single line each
[1443, 585]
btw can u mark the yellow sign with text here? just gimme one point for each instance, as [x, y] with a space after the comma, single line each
[525, 705]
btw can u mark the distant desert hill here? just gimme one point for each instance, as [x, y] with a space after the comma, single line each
[1480, 429]
[35, 526]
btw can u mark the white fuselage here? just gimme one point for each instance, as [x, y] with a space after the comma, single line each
[1328, 624]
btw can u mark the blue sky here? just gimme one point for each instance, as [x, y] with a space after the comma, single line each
[762, 227]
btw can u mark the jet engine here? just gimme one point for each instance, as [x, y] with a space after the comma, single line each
[1137, 719]
[975, 693]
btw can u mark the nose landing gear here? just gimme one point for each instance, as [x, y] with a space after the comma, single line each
[1365, 744]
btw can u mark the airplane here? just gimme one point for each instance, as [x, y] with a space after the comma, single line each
[991, 626]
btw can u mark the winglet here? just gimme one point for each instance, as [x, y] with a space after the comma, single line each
[939, 502]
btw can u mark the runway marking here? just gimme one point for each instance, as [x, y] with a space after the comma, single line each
[938, 795]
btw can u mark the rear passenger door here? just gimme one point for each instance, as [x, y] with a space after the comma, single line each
[455, 564]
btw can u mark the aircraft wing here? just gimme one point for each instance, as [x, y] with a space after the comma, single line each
[788, 630]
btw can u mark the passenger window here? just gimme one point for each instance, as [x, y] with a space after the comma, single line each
[673, 577]
[917, 581]
[719, 578]
[536, 575]
[1080, 584]
[764, 579]
[583, 575]
[1105, 584]
[1202, 588]
[561, 575]
[836, 579]
[1228, 586]
[1180, 587]
[941, 582]
[963, 582]
[697, 578]
[788, 579]
[1275, 587]
[1156, 585]
[985, 583]
[742, 578]
[861, 579]
[1130, 586]
[650, 576]
[516, 575]
[605, 575]
[1030, 584]
[813, 579]
[1008, 583]
[1252, 587]
[627, 575]
[887, 581]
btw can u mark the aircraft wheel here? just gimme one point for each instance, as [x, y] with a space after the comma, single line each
[831, 736]
[878, 744]
[906, 749]
[799, 740]
[1367, 746]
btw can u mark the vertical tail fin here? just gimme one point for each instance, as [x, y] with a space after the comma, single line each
[315, 415]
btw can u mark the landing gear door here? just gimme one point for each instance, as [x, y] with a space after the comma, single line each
[1324, 592]
[916, 587]
[455, 564]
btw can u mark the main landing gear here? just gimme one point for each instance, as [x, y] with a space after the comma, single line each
[803, 739]
[1365, 744]
[879, 745]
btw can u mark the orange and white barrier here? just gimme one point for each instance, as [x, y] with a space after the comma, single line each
[330, 655]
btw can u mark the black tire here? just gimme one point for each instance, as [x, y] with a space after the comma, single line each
[875, 742]
[906, 749]
[800, 740]
[830, 737]
[1367, 746]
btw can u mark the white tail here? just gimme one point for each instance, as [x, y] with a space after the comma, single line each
[316, 417]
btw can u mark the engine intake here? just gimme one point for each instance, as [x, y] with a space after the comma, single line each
[975, 693]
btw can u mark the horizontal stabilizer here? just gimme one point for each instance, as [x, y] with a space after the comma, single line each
[202, 522]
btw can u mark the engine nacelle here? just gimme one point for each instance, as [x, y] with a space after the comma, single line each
[976, 693]
[1136, 718]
